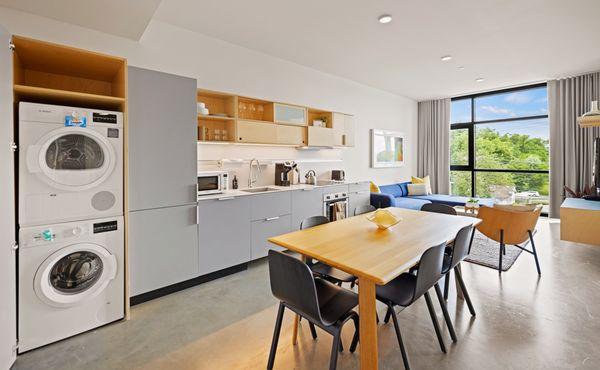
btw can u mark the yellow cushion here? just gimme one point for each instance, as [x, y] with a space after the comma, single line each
[425, 180]
[374, 188]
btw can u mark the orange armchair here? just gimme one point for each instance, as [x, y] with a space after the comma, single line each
[509, 227]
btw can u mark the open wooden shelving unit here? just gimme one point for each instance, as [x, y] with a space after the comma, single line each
[50, 73]
[237, 119]
[57, 74]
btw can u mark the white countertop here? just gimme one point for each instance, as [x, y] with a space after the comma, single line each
[239, 192]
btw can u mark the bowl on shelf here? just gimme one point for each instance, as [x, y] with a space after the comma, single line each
[383, 218]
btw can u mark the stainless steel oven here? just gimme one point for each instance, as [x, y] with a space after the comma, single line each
[212, 182]
[335, 206]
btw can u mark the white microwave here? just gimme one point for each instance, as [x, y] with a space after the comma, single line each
[212, 182]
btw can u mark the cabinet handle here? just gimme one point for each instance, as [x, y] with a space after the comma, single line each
[272, 218]
[308, 189]
[226, 198]
[362, 192]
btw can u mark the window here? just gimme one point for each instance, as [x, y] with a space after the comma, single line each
[501, 138]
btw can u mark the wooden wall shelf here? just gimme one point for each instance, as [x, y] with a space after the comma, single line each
[64, 97]
[261, 122]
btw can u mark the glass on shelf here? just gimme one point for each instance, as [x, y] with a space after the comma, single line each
[252, 109]
[260, 112]
[242, 107]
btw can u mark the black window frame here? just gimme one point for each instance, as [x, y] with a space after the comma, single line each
[471, 167]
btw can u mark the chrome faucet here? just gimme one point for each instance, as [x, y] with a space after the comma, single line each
[253, 177]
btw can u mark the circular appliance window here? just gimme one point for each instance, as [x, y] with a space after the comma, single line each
[74, 273]
[75, 158]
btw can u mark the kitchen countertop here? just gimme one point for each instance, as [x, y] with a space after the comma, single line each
[239, 192]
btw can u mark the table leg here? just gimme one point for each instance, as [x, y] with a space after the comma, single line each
[297, 317]
[368, 324]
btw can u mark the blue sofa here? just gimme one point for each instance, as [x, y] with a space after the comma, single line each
[396, 195]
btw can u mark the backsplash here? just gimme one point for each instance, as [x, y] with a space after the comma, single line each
[236, 161]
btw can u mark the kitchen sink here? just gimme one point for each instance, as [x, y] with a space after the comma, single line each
[259, 190]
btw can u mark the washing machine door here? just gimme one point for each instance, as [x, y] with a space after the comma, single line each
[72, 158]
[74, 274]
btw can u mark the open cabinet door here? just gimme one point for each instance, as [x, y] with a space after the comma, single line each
[8, 279]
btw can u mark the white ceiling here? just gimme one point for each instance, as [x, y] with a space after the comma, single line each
[507, 42]
[126, 18]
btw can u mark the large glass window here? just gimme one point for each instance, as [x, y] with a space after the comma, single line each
[501, 138]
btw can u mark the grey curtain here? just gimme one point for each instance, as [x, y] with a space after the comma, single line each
[433, 150]
[571, 147]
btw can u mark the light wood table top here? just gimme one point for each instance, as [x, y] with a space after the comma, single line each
[357, 246]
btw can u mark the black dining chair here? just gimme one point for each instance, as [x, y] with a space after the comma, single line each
[438, 208]
[319, 301]
[452, 260]
[407, 288]
[321, 269]
[366, 208]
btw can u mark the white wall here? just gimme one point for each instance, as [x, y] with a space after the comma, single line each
[222, 66]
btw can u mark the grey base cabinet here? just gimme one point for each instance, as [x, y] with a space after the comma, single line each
[224, 234]
[359, 194]
[306, 203]
[163, 247]
[271, 216]
[264, 229]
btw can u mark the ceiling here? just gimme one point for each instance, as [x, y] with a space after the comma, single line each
[126, 18]
[506, 42]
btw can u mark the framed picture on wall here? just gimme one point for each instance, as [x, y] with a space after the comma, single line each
[387, 149]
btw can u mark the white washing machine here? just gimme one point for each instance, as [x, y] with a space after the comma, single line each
[71, 279]
[70, 164]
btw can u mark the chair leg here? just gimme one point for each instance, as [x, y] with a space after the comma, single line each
[352, 284]
[436, 325]
[471, 242]
[537, 262]
[461, 282]
[334, 349]
[501, 247]
[275, 336]
[339, 283]
[356, 336]
[388, 314]
[447, 285]
[313, 331]
[399, 336]
[438, 292]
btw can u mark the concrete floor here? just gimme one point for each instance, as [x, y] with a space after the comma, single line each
[523, 322]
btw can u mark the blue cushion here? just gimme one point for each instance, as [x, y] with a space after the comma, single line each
[451, 200]
[404, 187]
[393, 189]
[410, 203]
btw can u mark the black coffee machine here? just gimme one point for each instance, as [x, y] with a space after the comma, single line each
[284, 172]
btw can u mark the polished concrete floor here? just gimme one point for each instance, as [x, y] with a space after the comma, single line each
[522, 322]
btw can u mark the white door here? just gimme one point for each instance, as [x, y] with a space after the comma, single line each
[8, 280]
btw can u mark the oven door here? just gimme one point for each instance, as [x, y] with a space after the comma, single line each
[210, 184]
[336, 210]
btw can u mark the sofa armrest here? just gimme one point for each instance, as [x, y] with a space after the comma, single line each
[380, 200]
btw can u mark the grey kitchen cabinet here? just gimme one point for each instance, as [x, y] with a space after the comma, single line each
[271, 205]
[224, 234]
[163, 247]
[359, 194]
[162, 139]
[306, 203]
[266, 228]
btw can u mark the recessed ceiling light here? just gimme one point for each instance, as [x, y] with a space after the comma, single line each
[479, 79]
[386, 18]
[446, 58]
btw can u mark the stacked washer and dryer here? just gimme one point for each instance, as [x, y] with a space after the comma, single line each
[71, 237]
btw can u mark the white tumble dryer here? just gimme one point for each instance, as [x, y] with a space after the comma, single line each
[71, 279]
[70, 164]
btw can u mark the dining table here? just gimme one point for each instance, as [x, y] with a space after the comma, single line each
[375, 256]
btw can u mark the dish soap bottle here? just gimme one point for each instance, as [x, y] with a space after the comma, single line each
[235, 182]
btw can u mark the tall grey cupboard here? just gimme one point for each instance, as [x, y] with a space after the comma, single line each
[163, 236]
